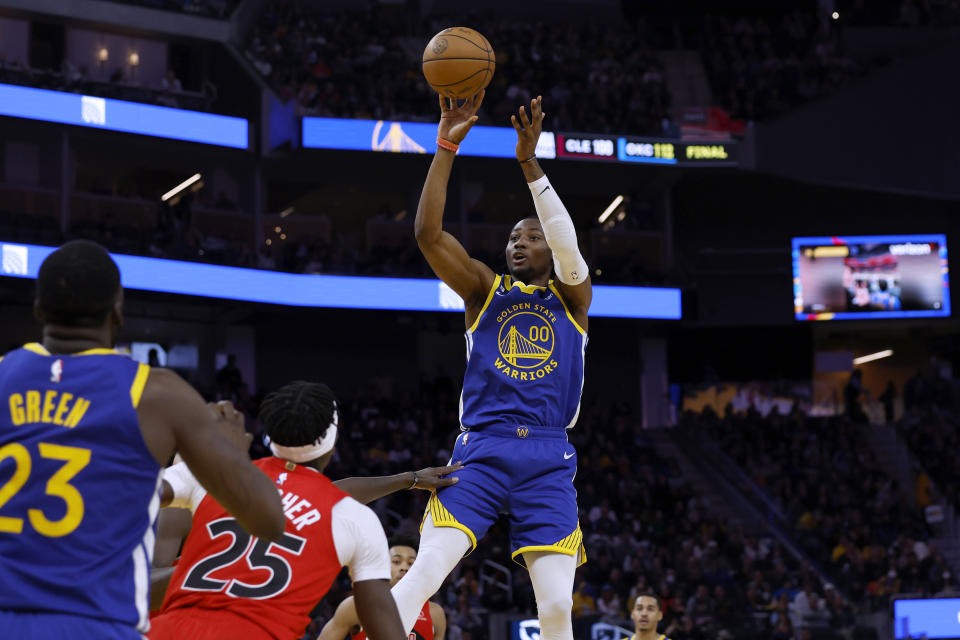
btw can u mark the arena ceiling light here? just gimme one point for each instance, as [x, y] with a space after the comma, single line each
[180, 187]
[886, 353]
[610, 209]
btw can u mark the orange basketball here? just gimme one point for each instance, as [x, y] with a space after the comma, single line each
[458, 62]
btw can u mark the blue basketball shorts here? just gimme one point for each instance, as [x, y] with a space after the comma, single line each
[42, 625]
[522, 473]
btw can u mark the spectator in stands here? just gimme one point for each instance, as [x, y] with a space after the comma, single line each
[229, 379]
[852, 393]
[171, 82]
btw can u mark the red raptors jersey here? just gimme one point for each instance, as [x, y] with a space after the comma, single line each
[271, 584]
[422, 630]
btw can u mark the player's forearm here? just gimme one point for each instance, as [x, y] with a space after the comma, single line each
[366, 490]
[558, 229]
[433, 198]
[334, 630]
[531, 170]
[248, 495]
[377, 610]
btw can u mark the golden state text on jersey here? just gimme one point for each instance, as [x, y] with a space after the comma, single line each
[525, 356]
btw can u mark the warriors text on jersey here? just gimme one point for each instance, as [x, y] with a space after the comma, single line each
[78, 486]
[525, 355]
[422, 630]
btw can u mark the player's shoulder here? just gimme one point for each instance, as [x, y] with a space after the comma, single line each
[163, 385]
[352, 511]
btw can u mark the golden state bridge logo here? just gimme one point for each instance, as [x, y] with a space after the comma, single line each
[526, 341]
[394, 140]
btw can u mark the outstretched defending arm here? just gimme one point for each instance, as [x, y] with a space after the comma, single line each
[470, 278]
[558, 229]
[366, 490]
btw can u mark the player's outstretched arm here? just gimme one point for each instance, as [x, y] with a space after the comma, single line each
[173, 417]
[439, 617]
[342, 623]
[366, 490]
[572, 272]
[470, 278]
[377, 610]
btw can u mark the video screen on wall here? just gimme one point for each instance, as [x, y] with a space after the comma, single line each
[853, 277]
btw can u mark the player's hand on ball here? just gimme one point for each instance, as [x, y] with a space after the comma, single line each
[433, 478]
[455, 121]
[528, 129]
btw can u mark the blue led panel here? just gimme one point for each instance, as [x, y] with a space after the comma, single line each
[119, 115]
[412, 137]
[343, 292]
[927, 618]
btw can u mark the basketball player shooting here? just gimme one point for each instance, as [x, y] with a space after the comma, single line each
[526, 337]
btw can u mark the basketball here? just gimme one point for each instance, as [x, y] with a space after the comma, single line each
[458, 62]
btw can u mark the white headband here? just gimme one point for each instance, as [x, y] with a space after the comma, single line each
[310, 451]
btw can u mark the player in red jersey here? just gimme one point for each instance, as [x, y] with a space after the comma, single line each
[230, 585]
[431, 623]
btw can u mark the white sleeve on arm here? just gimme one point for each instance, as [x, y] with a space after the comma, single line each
[360, 541]
[187, 492]
[559, 232]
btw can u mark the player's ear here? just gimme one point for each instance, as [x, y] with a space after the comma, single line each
[116, 312]
[37, 312]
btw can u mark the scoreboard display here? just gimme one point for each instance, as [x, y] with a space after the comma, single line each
[587, 147]
[583, 146]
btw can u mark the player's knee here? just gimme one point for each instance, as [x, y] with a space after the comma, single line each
[556, 610]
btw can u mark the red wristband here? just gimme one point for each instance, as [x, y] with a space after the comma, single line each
[446, 144]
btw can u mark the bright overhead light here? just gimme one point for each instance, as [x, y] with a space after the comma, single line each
[286, 212]
[180, 187]
[886, 353]
[613, 207]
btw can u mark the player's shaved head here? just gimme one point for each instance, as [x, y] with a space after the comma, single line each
[298, 413]
[77, 285]
[529, 221]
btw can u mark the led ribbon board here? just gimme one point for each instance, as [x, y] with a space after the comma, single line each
[120, 115]
[412, 137]
[500, 142]
[343, 292]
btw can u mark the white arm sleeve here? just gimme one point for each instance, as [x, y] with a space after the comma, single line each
[360, 541]
[559, 233]
[187, 492]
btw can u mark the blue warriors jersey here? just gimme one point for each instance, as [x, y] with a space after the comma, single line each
[524, 361]
[78, 487]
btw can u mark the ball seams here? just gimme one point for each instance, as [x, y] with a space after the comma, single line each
[464, 79]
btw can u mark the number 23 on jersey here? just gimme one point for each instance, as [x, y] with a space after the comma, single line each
[74, 458]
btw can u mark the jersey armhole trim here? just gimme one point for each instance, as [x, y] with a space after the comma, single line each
[37, 348]
[493, 289]
[139, 382]
[553, 288]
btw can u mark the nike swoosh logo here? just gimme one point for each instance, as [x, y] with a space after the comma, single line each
[567, 456]
[545, 189]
